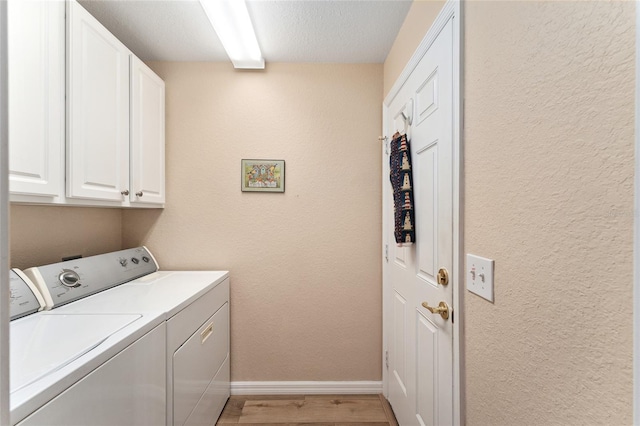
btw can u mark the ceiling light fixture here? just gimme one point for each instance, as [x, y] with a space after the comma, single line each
[230, 20]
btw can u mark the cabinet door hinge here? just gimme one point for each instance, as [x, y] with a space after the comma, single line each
[386, 253]
[386, 359]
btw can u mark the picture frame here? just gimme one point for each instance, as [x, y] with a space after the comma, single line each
[262, 175]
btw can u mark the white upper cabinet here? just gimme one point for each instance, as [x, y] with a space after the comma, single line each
[147, 135]
[36, 48]
[102, 144]
[97, 110]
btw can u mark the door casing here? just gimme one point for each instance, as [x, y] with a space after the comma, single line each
[452, 10]
[636, 239]
[4, 222]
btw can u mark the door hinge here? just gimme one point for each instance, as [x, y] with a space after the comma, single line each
[453, 317]
[385, 140]
[386, 252]
[386, 359]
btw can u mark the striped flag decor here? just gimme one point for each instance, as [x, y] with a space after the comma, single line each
[402, 184]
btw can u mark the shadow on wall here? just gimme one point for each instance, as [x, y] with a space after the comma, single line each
[145, 221]
[45, 234]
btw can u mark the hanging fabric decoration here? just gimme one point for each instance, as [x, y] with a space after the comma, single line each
[402, 184]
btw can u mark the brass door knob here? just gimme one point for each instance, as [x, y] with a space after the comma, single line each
[442, 309]
[443, 276]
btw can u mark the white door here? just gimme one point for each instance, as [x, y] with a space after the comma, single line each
[97, 110]
[36, 96]
[419, 342]
[147, 134]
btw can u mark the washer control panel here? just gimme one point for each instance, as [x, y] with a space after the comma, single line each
[25, 299]
[65, 282]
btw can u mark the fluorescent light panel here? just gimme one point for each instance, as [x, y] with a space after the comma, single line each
[230, 20]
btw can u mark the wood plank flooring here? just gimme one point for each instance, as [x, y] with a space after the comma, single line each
[312, 410]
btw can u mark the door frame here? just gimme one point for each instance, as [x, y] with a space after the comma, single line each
[636, 238]
[4, 221]
[452, 10]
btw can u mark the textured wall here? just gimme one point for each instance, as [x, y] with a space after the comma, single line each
[41, 235]
[549, 195]
[413, 30]
[305, 265]
[548, 140]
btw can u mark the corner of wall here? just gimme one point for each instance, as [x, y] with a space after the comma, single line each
[419, 19]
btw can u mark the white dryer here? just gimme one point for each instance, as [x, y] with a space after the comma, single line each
[193, 304]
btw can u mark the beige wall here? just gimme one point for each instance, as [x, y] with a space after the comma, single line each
[549, 153]
[305, 265]
[548, 140]
[41, 235]
[421, 14]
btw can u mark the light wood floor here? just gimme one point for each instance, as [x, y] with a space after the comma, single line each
[315, 410]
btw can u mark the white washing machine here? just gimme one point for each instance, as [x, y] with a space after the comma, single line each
[193, 304]
[60, 363]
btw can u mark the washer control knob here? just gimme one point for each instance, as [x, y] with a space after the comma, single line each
[145, 259]
[135, 260]
[123, 262]
[69, 278]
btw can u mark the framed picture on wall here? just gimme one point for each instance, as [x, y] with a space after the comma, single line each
[263, 175]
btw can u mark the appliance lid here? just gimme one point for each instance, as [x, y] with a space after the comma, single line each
[46, 342]
[165, 291]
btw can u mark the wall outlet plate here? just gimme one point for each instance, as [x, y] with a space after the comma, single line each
[480, 276]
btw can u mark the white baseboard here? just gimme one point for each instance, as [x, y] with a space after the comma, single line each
[305, 388]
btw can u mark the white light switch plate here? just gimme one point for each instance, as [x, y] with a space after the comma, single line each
[480, 276]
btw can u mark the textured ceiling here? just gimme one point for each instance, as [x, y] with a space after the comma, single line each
[358, 31]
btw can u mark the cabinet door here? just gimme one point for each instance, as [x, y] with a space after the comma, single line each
[147, 134]
[196, 363]
[97, 109]
[36, 96]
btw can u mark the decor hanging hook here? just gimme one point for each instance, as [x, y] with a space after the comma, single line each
[407, 112]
